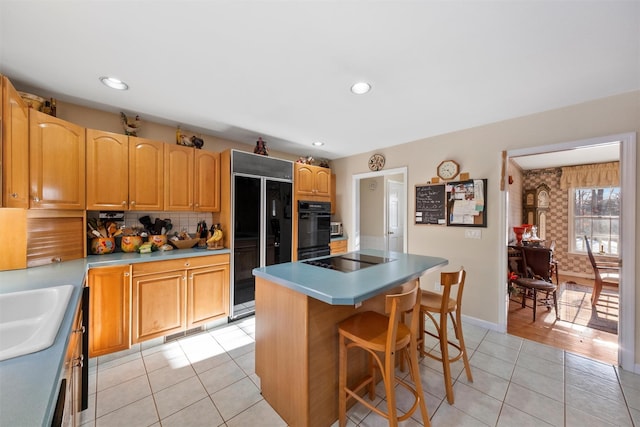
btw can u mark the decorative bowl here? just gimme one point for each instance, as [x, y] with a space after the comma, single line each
[183, 244]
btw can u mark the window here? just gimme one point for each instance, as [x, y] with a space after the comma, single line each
[595, 213]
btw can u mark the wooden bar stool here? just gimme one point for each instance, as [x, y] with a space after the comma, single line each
[443, 305]
[381, 335]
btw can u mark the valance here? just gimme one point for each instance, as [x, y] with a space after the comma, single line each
[586, 176]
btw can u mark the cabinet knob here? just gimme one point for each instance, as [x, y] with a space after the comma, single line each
[133, 203]
[197, 205]
[126, 274]
[187, 264]
[56, 259]
[14, 195]
[124, 203]
[36, 199]
[79, 330]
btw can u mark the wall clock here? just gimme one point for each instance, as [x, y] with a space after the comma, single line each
[376, 162]
[448, 169]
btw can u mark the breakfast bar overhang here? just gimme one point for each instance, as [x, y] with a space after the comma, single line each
[298, 307]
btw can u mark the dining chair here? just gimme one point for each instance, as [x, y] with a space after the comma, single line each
[610, 271]
[537, 276]
[383, 337]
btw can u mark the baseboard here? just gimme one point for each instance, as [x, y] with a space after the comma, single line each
[481, 323]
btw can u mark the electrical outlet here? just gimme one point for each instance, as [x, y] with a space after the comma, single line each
[472, 234]
[436, 286]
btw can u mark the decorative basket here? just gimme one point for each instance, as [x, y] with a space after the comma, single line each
[32, 101]
[183, 244]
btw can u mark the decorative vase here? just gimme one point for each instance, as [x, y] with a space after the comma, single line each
[519, 230]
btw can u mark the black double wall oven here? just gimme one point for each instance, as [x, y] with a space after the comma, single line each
[314, 229]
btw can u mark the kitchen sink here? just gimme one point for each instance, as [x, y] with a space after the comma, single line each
[29, 320]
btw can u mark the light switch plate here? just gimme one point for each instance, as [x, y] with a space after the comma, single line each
[473, 234]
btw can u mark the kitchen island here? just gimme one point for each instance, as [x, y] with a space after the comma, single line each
[298, 307]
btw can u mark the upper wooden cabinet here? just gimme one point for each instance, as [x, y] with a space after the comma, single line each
[107, 171]
[146, 174]
[333, 193]
[192, 179]
[56, 163]
[207, 181]
[15, 148]
[312, 182]
[178, 185]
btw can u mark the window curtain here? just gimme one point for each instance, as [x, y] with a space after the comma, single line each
[589, 176]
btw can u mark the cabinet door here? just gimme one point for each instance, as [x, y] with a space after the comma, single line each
[107, 171]
[158, 305]
[207, 294]
[178, 172]
[304, 180]
[15, 148]
[56, 163]
[322, 181]
[109, 316]
[207, 181]
[338, 246]
[146, 174]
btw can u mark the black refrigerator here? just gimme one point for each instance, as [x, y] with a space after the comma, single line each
[262, 223]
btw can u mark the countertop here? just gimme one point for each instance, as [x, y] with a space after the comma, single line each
[338, 288]
[29, 384]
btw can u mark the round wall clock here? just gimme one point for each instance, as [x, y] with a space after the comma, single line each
[376, 162]
[448, 169]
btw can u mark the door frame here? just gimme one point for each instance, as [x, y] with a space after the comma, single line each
[354, 241]
[626, 324]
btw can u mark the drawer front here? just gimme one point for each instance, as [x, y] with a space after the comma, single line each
[178, 264]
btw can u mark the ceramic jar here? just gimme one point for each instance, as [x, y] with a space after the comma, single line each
[130, 243]
[158, 239]
[103, 245]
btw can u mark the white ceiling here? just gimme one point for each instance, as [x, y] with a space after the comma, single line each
[282, 69]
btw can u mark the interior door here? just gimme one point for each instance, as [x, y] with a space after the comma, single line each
[394, 216]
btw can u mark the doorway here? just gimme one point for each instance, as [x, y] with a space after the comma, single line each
[626, 331]
[379, 210]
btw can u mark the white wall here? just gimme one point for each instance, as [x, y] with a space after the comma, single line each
[478, 151]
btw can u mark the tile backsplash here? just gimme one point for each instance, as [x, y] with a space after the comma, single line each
[180, 220]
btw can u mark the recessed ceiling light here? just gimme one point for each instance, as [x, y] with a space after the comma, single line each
[317, 144]
[114, 83]
[361, 88]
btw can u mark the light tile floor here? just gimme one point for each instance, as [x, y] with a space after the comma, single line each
[208, 379]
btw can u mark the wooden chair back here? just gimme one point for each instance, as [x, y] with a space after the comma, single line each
[397, 306]
[449, 280]
[538, 263]
[592, 260]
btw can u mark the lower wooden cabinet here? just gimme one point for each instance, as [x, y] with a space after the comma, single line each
[171, 296]
[134, 303]
[207, 294]
[158, 305]
[109, 309]
[338, 246]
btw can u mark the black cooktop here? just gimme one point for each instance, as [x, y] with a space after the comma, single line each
[349, 262]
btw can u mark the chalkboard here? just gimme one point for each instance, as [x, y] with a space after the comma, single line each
[431, 204]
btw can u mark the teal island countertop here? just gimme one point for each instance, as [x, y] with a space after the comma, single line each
[29, 384]
[350, 288]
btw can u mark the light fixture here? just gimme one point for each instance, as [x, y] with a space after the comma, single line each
[317, 144]
[360, 88]
[114, 83]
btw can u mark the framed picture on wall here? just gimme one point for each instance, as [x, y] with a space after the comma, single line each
[467, 203]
